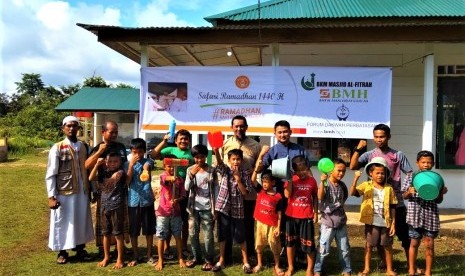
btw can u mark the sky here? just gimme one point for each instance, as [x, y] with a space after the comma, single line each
[41, 36]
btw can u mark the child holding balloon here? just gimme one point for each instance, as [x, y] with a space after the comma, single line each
[422, 216]
[332, 194]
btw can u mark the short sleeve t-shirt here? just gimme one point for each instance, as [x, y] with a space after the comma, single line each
[165, 208]
[180, 154]
[267, 208]
[378, 207]
[300, 203]
[204, 180]
[113, 191]
[140, 193]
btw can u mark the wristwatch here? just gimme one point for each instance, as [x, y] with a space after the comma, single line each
[358, 150]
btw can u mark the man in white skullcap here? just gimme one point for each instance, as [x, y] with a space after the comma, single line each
[68, 195]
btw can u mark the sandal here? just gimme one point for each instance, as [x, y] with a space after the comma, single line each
[83, 256]
[151, 261]
[258, 268]
[247, 269]
[62, 258]
[363, 274]
[207, 267]
[191, 263]
[277, 272]
[168, 256]
[217, 267]
[133, 263]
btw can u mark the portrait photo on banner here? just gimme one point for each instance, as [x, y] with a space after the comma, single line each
[167, 96]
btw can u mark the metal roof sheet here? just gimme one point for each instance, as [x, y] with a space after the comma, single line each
[331, 9]
[102, 99]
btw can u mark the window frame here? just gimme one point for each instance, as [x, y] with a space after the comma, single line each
[441, 142]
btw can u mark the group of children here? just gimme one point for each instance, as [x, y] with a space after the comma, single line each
[215, 194]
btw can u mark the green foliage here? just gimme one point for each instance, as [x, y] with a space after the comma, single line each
[23, 145]
[4, 104]
[30, 84]
[28, 118]
[70, 89]
[95, 81]
[123, 85]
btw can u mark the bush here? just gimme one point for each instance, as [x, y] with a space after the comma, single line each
[20, 145]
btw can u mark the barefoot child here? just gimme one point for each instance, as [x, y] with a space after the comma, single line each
[140, 200]
[268, 216]
[169, 212]
[229, 207]
[301, 211]
[422, 216]
[377, 211]
[113, 189]
[332, 194]
[201, 182]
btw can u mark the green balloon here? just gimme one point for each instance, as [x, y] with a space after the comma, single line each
[325, 165]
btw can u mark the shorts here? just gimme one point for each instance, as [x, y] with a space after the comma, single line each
[230, 227]
[377, 235]
[141, 218]
[168, 225]
[418, 233]
[300, 231]
[113, 221]
[264, 234]
[184, 213]
[402, 230]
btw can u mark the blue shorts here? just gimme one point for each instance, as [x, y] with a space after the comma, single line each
[418, 233]
[168, 225]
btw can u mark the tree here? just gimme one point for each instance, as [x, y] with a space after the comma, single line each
[95, 81]
[30, 84]
[70, 90]
[123, 85]
[4, 104]
[31, 112]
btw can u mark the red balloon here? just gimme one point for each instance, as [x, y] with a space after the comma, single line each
[215, 139]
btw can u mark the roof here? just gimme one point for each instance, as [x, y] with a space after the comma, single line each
[246, 34]
[327, 9]
[103, 99]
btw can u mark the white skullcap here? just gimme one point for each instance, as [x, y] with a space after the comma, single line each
[68, 119]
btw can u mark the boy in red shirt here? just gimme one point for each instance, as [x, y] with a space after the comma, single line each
[301, 211]
[268, 216]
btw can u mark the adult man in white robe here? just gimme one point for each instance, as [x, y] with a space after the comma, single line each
[68, 195]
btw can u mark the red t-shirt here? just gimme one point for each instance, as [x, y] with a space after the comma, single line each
[300, 203]
[267, 207]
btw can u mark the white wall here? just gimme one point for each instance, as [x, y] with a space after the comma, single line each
[406, 59]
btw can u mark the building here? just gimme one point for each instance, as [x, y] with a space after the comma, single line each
[423, 42]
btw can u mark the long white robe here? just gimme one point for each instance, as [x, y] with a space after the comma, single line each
[71, 223]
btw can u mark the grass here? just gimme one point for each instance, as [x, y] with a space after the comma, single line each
[24, 222]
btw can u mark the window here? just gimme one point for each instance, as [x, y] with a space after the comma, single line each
[332, 148]
[451, 117]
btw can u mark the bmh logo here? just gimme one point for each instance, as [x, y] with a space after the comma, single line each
[342, 113]
[308, 84]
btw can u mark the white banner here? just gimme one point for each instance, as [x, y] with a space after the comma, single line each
[333, 102]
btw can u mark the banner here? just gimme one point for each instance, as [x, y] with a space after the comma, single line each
[331, 102]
